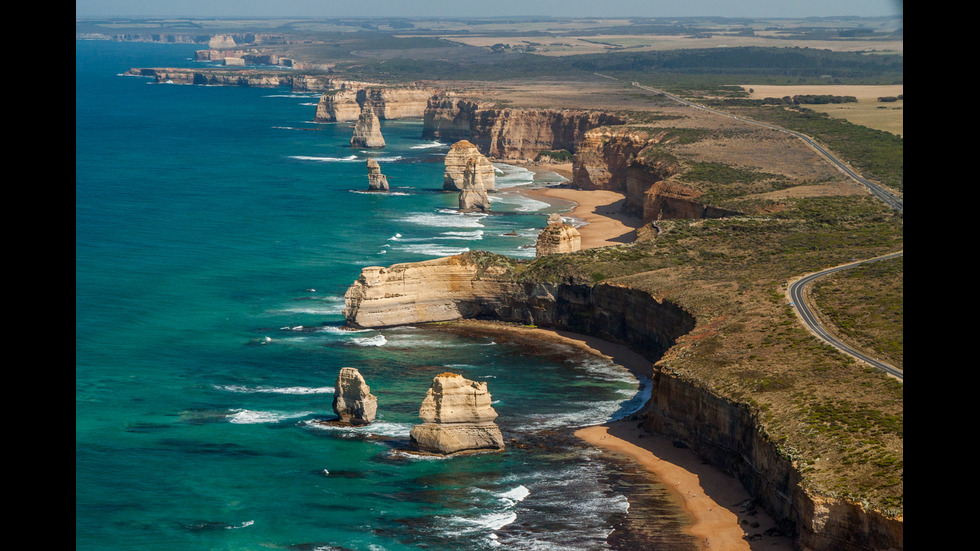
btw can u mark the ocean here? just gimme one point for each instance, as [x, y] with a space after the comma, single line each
[216, 231]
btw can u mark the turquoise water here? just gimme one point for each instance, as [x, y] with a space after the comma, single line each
[216, 230]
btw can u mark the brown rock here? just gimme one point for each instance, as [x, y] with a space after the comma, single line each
[473, 196]
[352, 400]
[376, 180]
[367, 131]
[457, 416]
[456, 160]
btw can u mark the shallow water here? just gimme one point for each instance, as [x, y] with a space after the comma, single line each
[217, 229]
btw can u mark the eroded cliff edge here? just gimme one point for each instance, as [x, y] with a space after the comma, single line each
[724, 431]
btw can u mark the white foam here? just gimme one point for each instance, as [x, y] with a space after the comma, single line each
[429, 145]
[325, 159]
[250, 417]
[445, 219]
[431, 249]
[375, 428]
[516, 494]
[475, 235]
[242, 389]
[489, 521]
[242, 525]
[377, 340]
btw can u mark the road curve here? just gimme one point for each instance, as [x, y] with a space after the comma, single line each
[894, 202]
[796, 294]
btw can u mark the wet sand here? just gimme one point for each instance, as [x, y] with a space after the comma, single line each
[719, 507]
[599, 210]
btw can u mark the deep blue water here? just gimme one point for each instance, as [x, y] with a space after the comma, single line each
[216, 230]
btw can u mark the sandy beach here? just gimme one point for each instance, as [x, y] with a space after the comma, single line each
[719, 507]
[600, 210]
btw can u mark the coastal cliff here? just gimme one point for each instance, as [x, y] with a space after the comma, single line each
[725, 432]
[387, 103]
[236, 77]
[505, 133]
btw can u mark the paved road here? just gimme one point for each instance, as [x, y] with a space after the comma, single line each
[796, 291]
[894, 202]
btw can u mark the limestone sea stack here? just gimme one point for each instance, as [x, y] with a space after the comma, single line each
[456, 159]
[367, 131]
[473, 196]
[376, 180]
[558, 237]
[456, 417]
[352, 399]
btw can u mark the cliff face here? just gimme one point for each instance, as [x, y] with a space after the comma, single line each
[723, 432]
[624, 159]
[509, 133]
[217, 77]
[387, 103]
[457, 157]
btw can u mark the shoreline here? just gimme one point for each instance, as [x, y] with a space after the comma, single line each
[604, 223]
[719, 508]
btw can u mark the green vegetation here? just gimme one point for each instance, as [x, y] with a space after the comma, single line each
[866, 305]
[559, 156]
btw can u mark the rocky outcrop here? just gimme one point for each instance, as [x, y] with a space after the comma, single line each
[367, 131]
[558, 237]
[236, 77]
[352, 400]
[219, 41]
[509, 133]
[338, 106]
[346, 103]
[473, 196]
[376, 180]
[456, 417]
[724, 432]
[626, 159]
[457, 157]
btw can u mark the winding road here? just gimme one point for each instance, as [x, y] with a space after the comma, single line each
[894, 202]
[797, 293]
[798, 287]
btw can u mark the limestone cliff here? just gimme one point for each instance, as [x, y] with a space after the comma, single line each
[473, 196]
[236, 77]
[456, 159]
[387, 103]
[376, 180]
[509, 133]
[626, 159]
[723, 432]
[353, 402]
[558, 237]
[456, 416]
[367, 131]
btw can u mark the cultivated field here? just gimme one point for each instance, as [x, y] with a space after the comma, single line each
[868, 111]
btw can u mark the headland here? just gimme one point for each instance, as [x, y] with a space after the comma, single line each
[695, 223]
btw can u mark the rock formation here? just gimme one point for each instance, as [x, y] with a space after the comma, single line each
[352, 399]
[558, 237]
[376, 180]
[456, 416]
[367, 131]
[509, 133]
[456, 159]
[346, 103]
[725, 433]
[473, 197]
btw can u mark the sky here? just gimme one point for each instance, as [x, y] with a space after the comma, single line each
[485, 8]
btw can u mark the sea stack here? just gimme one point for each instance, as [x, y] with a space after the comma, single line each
[352, 399]
[558, 237]
[456, 160]
[456, 417]
[473, 196]
[376, 180]
[367, 131]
